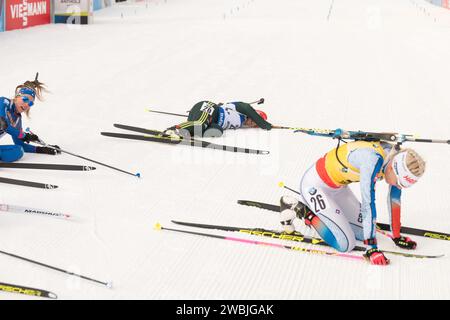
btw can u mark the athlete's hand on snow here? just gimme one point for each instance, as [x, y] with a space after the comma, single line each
[29, 137]
[405, 243]
[48, 150]
[376, 257]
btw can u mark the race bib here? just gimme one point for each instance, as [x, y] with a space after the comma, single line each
[229, 118]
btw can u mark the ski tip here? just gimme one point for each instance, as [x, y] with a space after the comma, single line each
[281, 184]
[158, 226]
[52, 295]
[138, 174]
[109, 284]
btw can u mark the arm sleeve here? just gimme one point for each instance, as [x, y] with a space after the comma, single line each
[394, 208]
[368, 177]
[248, 110]
[16, 133]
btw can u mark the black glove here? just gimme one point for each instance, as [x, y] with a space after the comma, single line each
[405, 243]
[3, 124]
[48, 150]
[29, 137]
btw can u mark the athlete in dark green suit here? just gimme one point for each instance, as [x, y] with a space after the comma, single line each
[209, 119]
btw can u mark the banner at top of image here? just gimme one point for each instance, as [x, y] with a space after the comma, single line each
[20, 14]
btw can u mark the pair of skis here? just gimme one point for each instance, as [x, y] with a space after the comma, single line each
[40, 166]
[380, 226]
[157, 136]
[298, 237]
[295, 237]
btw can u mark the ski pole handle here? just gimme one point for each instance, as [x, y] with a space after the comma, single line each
[259, 101]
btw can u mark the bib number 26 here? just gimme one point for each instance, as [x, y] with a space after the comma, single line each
[319, 203]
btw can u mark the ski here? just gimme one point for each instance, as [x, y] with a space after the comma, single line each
[137, 129]
[191, 142]
[27, 183]
[293, 248]
[295, 236]
[45, 166]
[367, 136]
[32, 211]
[13, 288]
[381, 226]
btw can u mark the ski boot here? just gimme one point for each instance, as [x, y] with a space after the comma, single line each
[301, 211]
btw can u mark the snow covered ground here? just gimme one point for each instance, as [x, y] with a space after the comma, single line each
[377, 65]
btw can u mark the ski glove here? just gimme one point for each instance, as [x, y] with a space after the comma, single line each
[29, 137]
[48, 150]
[3, 124]
[405, 243]
[376, 257]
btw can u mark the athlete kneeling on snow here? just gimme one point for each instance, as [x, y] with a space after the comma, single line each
[209, 119]
[333, 210]
[11, 122]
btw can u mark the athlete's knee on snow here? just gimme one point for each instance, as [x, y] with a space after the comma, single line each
[213, 131]
[11, 153]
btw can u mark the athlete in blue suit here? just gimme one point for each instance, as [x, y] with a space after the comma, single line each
[11, 111]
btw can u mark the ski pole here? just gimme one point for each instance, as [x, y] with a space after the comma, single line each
[282, 185]
[283, 127]
[42, 143]
[409, 139]
[293, 248]
[108, 284]
[169, 113]
[259, 101]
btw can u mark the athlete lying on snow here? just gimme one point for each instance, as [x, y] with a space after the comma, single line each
[209, 119]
